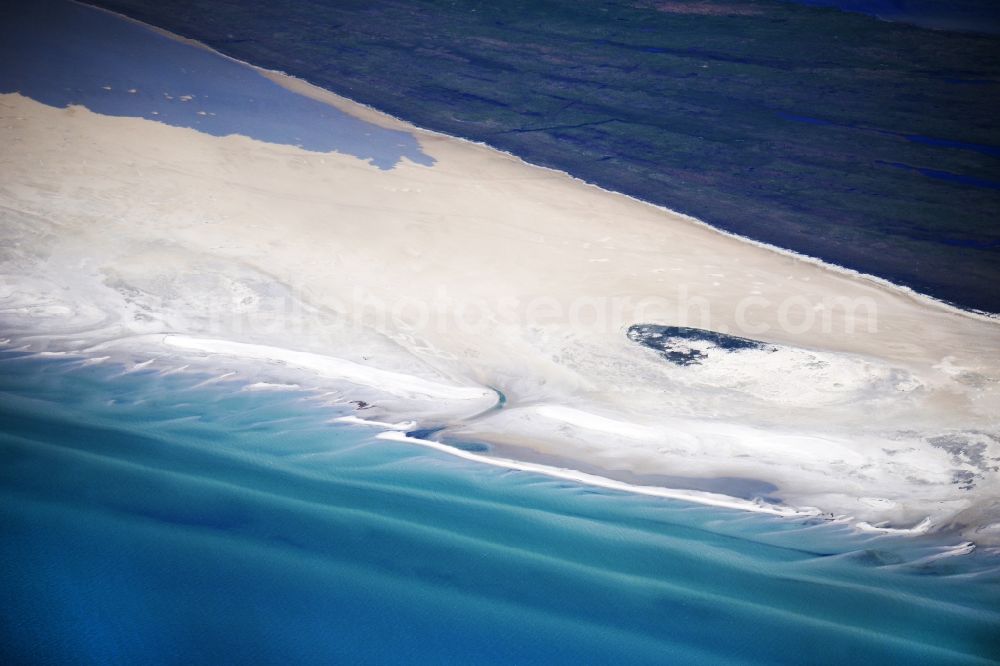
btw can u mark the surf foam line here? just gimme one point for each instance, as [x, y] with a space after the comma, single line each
[397, 432]
[923, 527]
[354, 420]
[693, 496]
[396, 383]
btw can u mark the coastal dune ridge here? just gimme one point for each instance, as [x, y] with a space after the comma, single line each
[137, 239]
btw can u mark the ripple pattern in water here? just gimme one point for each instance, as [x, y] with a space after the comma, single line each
[158, 518]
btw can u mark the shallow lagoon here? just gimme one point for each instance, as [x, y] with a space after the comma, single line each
[60, 53]
[160, 517]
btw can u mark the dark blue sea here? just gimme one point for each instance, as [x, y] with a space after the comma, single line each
[964, 15]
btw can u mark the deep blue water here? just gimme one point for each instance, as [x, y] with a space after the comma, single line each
[60, 53]
[916, 138]
[964, 15]
[149, 518]
[946, 175]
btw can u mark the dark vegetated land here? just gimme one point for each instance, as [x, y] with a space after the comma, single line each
[870, 144]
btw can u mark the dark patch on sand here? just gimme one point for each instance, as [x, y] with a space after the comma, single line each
[690, 346]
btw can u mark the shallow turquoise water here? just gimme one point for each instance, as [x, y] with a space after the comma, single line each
[159, 519]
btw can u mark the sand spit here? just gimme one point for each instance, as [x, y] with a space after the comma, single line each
[426, 291]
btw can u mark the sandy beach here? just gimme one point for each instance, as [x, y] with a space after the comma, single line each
[490, 297]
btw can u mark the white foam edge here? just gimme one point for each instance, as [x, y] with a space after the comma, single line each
[354, 420]
[694, 496]
[395, 383]
[923, 527]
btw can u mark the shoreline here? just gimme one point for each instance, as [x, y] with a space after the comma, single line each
[619, 481]
[395, 432]
[535, 462]
[351, 107]
[568, 457]
[330, 494]
[694, 496]
[615, 480]
[479, 213]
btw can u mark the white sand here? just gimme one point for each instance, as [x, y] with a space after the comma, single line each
[409, 387]
[380, 425]
[696, 496]
[268, 261]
